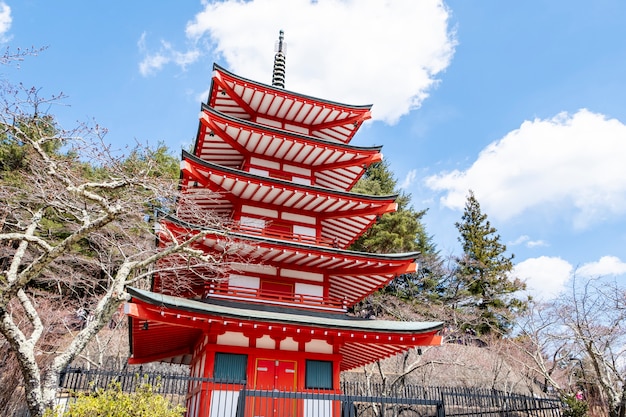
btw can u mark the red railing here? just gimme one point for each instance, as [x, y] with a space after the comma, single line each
[276, 297]
[289, 236]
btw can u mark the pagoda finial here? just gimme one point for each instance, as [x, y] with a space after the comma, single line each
[278, 76]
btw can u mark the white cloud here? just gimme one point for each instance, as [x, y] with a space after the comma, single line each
[526, 241]
[409, 179]
[606, 266]
[152, 63]
[545, 276]
[356, 52]
[5, 21]
[573, 162]
[520, 240]
[155, 61]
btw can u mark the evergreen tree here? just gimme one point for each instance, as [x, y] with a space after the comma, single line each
[400, 231]
[483, 282]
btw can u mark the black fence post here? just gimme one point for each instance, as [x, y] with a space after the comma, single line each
[441, 407]
[241, 403]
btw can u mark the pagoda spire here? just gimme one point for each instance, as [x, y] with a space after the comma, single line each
[278, 76]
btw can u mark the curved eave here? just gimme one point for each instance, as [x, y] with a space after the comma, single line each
[250, 100]
[343, 216]
[352, 275]
[189, 227]
[231, 142]
[361, 341]
[244, 176]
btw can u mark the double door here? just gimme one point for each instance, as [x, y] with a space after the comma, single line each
[276, 378]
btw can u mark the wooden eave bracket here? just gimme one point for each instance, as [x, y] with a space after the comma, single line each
[205, 120]
[194, 173]
[232, 94]
[356, 120]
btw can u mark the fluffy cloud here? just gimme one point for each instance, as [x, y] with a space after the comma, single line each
[358, 52]
[545, 276]
[572, 161]
[5, 21]
[154, 61]
[526, 241]
[606, 266]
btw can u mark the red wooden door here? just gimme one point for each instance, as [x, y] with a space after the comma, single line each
[278, 377]
[278, 290]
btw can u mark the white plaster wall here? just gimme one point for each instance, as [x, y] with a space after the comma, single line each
[318, 346]
[232, 339]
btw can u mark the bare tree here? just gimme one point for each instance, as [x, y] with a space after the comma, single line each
[578, 342]
[595, 314]
[76, 230]
[540, 349]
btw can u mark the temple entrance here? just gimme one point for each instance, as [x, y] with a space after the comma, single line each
[274, 375]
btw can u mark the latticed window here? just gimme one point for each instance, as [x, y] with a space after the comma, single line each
[230, 367]
[319, 374]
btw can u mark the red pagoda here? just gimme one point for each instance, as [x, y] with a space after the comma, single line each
[278, 167]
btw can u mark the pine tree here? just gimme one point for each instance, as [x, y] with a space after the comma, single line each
[401, 231]
[483, 282]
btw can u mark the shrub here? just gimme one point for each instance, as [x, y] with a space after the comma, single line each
[575, 407]
[112, 402]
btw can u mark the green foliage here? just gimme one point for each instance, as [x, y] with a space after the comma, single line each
[26, 187]
[401, 231]
[15, 154]
[575, 407]
[377, 180]
[158, 162]
[112, 402]
[482, 278]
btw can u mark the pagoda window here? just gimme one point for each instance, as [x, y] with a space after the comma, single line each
[301, 181]
[305, 233]
[251, 224]
[319, 374]
[260, 172]
[242, 281]
[309, 289]
[230, 367]
[309, 294]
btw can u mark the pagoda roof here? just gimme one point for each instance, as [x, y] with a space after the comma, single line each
[230, 142]
[352, 275]
[344, 216]
[361, 341]
[246, 99]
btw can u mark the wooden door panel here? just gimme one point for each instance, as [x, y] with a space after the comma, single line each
[277, 376]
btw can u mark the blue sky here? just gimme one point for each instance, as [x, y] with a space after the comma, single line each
[522, 102]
